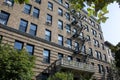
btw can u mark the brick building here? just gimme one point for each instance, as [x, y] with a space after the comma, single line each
[60, 39]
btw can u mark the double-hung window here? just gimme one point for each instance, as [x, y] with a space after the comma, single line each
[66, 5]
[4, 17]
[38, 1]
[46, 56]
[90, 52]
[33, 29]
[49, 19]
[76, 46]
[27, 8]
[36, 12]
[60, 40]
[30, 49]
[69, 43]
[18, 45]
[67, 16]
[23, 25]
[69, 58]
[60, 1]
[60, 55]
[60, 24]
[47, 35]
[60, 12]
[68, 28]
[50, 6]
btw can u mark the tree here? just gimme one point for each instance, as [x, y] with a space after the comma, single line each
[97, 8]
[14, 64]
[115, 68]
[21, 1]
[61, 76]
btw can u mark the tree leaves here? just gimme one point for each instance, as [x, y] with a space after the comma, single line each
[97, 8]
[14, 64]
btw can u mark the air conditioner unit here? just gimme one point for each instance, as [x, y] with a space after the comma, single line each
[9, 3]
[48, 22]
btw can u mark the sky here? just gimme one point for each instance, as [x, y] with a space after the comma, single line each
[111, 28]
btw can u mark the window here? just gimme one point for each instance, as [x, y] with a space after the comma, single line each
[88, 38]
[60, 55]
[77, 59]
[18, 45]
[68, 28]
[9, 2]
[50, 6]
[30, 49]
[90, 52]
[36, 12]
[60, 24]
[83, 49]
[74, 31]
[23, 25]
[46, 56]
[60, 12]
[94, 32]
[100, 36]
[49, 19]
[105, 58]
[98, 55]
[33, 29]
[102, 46]
[96, 43]
[67, 16]
[27, 8]
[1, 38]
[69, 43]
[66, 5]
[102, 69]
[69, 58]
[47, 35]
[81, 35]
[38, 1]
[60, 1]
[99, 68]
[86, 28]
[4, 17]
[76, 46]
[60, 40]
[107, 69]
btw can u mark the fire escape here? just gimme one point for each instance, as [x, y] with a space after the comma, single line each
[63, 63]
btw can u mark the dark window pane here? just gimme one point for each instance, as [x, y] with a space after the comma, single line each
[50, 6]
[36, 12]
[60, 12]
[23, 25]
[4, 17]
[49, 19]
[60, 24]
[27, 8]
[60, 55]
[33, 29]
[38, 1]
[18, 45]
[30, 49]
[60, 40]
[46, 56]
[48, 35]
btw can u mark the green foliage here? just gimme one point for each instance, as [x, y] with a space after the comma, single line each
[14, 64]
[97, 8]
[21, 1]
[116, 50]
[61, 76]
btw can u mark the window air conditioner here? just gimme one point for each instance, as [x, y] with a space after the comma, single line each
[9, 3]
